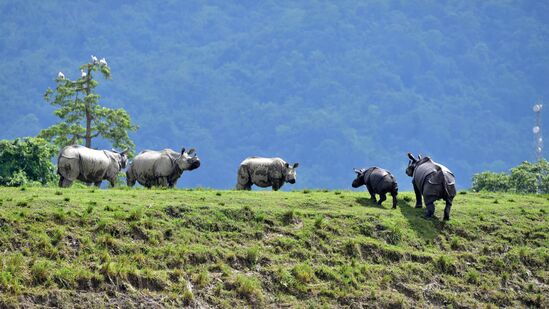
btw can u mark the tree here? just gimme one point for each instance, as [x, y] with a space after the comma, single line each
[83, 119]
[26, 160]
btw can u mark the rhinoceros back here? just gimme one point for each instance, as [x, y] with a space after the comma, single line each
[263, 171]
[148, 165]
[435, 174]
[379, 179]
[79, 162]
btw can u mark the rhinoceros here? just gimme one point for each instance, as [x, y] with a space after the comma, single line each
[89, 165]
[377, 181]
[433, 181]
[265, 172]
[160, 168]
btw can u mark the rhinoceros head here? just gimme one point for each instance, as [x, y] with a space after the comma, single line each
[188, 161]
[412, 164]
[359, 180]
[290, 175]
[122, 158]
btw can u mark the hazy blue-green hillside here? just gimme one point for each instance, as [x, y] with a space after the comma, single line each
[330, 85]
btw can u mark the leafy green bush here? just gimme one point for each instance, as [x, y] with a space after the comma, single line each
[522, 179]
[26, 160]
[493, 182]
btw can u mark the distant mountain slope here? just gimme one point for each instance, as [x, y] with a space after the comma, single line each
[333, 86]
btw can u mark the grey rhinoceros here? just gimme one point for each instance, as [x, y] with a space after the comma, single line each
[433, 181]
[265, 172]
[377, 181]
[89, 165]
[160, 168]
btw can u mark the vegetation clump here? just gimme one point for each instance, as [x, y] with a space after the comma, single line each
[525, 178]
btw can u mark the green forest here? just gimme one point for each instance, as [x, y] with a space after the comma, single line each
[331, 85]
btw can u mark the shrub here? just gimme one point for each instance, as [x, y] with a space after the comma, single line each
[525, 178]
[493, 182]
[26, 160]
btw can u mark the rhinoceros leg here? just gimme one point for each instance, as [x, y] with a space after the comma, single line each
[97, 184]
[130, 180]
[243, 181]
[418, 197]
[372, 193]
[112, 181]
[447, 209]
[246, 186]
[382, 198]
[163, 181]
[430, 204]
[395, 201]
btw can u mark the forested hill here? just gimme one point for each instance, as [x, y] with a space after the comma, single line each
[332, 85]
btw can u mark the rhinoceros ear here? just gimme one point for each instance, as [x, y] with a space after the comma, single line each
[125, 152]
[191, 151]
[183, 150]
[286, 165]
[296, 165]
[356, 170]
[418, 157]
[411, 157]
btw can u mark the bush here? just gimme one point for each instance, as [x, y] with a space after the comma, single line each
[522, 179]
[493, 182]
[26, 160]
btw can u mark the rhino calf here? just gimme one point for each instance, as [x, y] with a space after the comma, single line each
[377, 181]
[265, 172]
[432, 181]
[160, 168]
[89, 165]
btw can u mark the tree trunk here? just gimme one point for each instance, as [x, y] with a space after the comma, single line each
[88, 111]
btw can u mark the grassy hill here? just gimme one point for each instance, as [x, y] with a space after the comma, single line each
[90, 247]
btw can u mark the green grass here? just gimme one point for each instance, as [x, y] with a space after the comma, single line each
[311, 248]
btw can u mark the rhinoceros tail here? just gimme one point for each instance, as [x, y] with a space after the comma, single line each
[442, 179]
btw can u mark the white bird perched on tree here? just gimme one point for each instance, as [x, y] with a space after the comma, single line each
[94, 59]
[84, 74]
[60, 75]
[103, 62]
